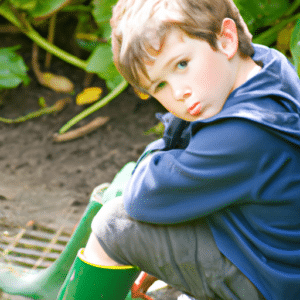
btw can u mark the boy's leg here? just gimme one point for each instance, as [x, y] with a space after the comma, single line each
[183, 255]
[95, 254]
[95, 275]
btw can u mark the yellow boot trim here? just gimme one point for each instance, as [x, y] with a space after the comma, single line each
[82, 258]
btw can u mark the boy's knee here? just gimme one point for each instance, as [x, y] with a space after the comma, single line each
[114, 229]
[96, 255]
[110, 210]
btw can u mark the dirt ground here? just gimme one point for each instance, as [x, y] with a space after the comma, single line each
[41, 178]
[50, 182]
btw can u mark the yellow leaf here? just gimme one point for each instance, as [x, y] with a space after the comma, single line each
[284, 37]
[141, 95]
[88, 95]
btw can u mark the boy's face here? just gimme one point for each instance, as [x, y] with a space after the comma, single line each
[189, 78]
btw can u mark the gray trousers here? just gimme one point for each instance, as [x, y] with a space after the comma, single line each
[183, 255]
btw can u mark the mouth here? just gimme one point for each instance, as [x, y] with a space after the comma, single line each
[195, 109]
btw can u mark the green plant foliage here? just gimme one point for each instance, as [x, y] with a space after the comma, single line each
[258, 14]
[86, 35]
[102, 12]
[87, 45]
[270, 22]
[284, 38]
[295, 46]
[101, 62]
[158, 130]
[24, 4]
[43, 8]
[12, 68]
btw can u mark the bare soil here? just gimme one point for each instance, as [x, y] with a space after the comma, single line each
[44, 181]
[41, 178]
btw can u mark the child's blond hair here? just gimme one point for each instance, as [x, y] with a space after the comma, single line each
[140, 25]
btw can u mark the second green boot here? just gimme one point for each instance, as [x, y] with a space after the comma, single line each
[87, 281]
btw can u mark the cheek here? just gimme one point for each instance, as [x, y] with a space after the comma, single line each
[216, 70]
[164, 100]
[212, 76]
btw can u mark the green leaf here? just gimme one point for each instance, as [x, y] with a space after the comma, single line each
[261, 13]
[295, 46]
[158, 130]
[114, 82]
[106, 30]
[284, 38]
[102, 11]
[252, 7]
[24, 4]
[101, 63]
[46, 8]
[273, 10]
[12, 68]
[100, 59]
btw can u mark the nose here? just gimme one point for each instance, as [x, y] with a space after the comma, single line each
[181, 92]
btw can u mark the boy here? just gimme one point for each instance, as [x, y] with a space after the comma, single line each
[213, 208]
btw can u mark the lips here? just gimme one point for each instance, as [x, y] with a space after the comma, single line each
[195, 109]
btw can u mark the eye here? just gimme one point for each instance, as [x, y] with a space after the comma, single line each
[182, 64]
[160, 86]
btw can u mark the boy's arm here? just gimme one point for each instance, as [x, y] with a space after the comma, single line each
[176, 135]
[217, 169]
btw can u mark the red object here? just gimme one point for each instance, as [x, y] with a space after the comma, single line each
[141, 285]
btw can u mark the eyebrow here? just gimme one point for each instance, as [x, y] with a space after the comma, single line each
[167, 64]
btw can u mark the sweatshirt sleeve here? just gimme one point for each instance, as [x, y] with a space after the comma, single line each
[217, 169]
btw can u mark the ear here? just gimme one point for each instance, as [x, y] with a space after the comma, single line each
[228, 38]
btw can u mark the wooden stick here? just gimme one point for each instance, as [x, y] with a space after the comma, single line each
[79, 132]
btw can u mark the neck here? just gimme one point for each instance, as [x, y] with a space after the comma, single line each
[246, 69]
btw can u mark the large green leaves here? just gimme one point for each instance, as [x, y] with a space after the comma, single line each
[12, 68]
[101, 62]
[295, 46]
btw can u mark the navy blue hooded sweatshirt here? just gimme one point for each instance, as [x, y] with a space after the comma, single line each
[241, 170]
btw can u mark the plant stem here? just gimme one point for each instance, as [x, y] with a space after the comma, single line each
[58, 106]
[76, 8]
[51, 34]
[293, 7]
[35, 64]
[39, 40]
[67, 57]
[7, 13]
[120, 88]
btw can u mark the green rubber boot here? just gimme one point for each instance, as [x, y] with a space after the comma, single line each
[45, 284]
[89, 281]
